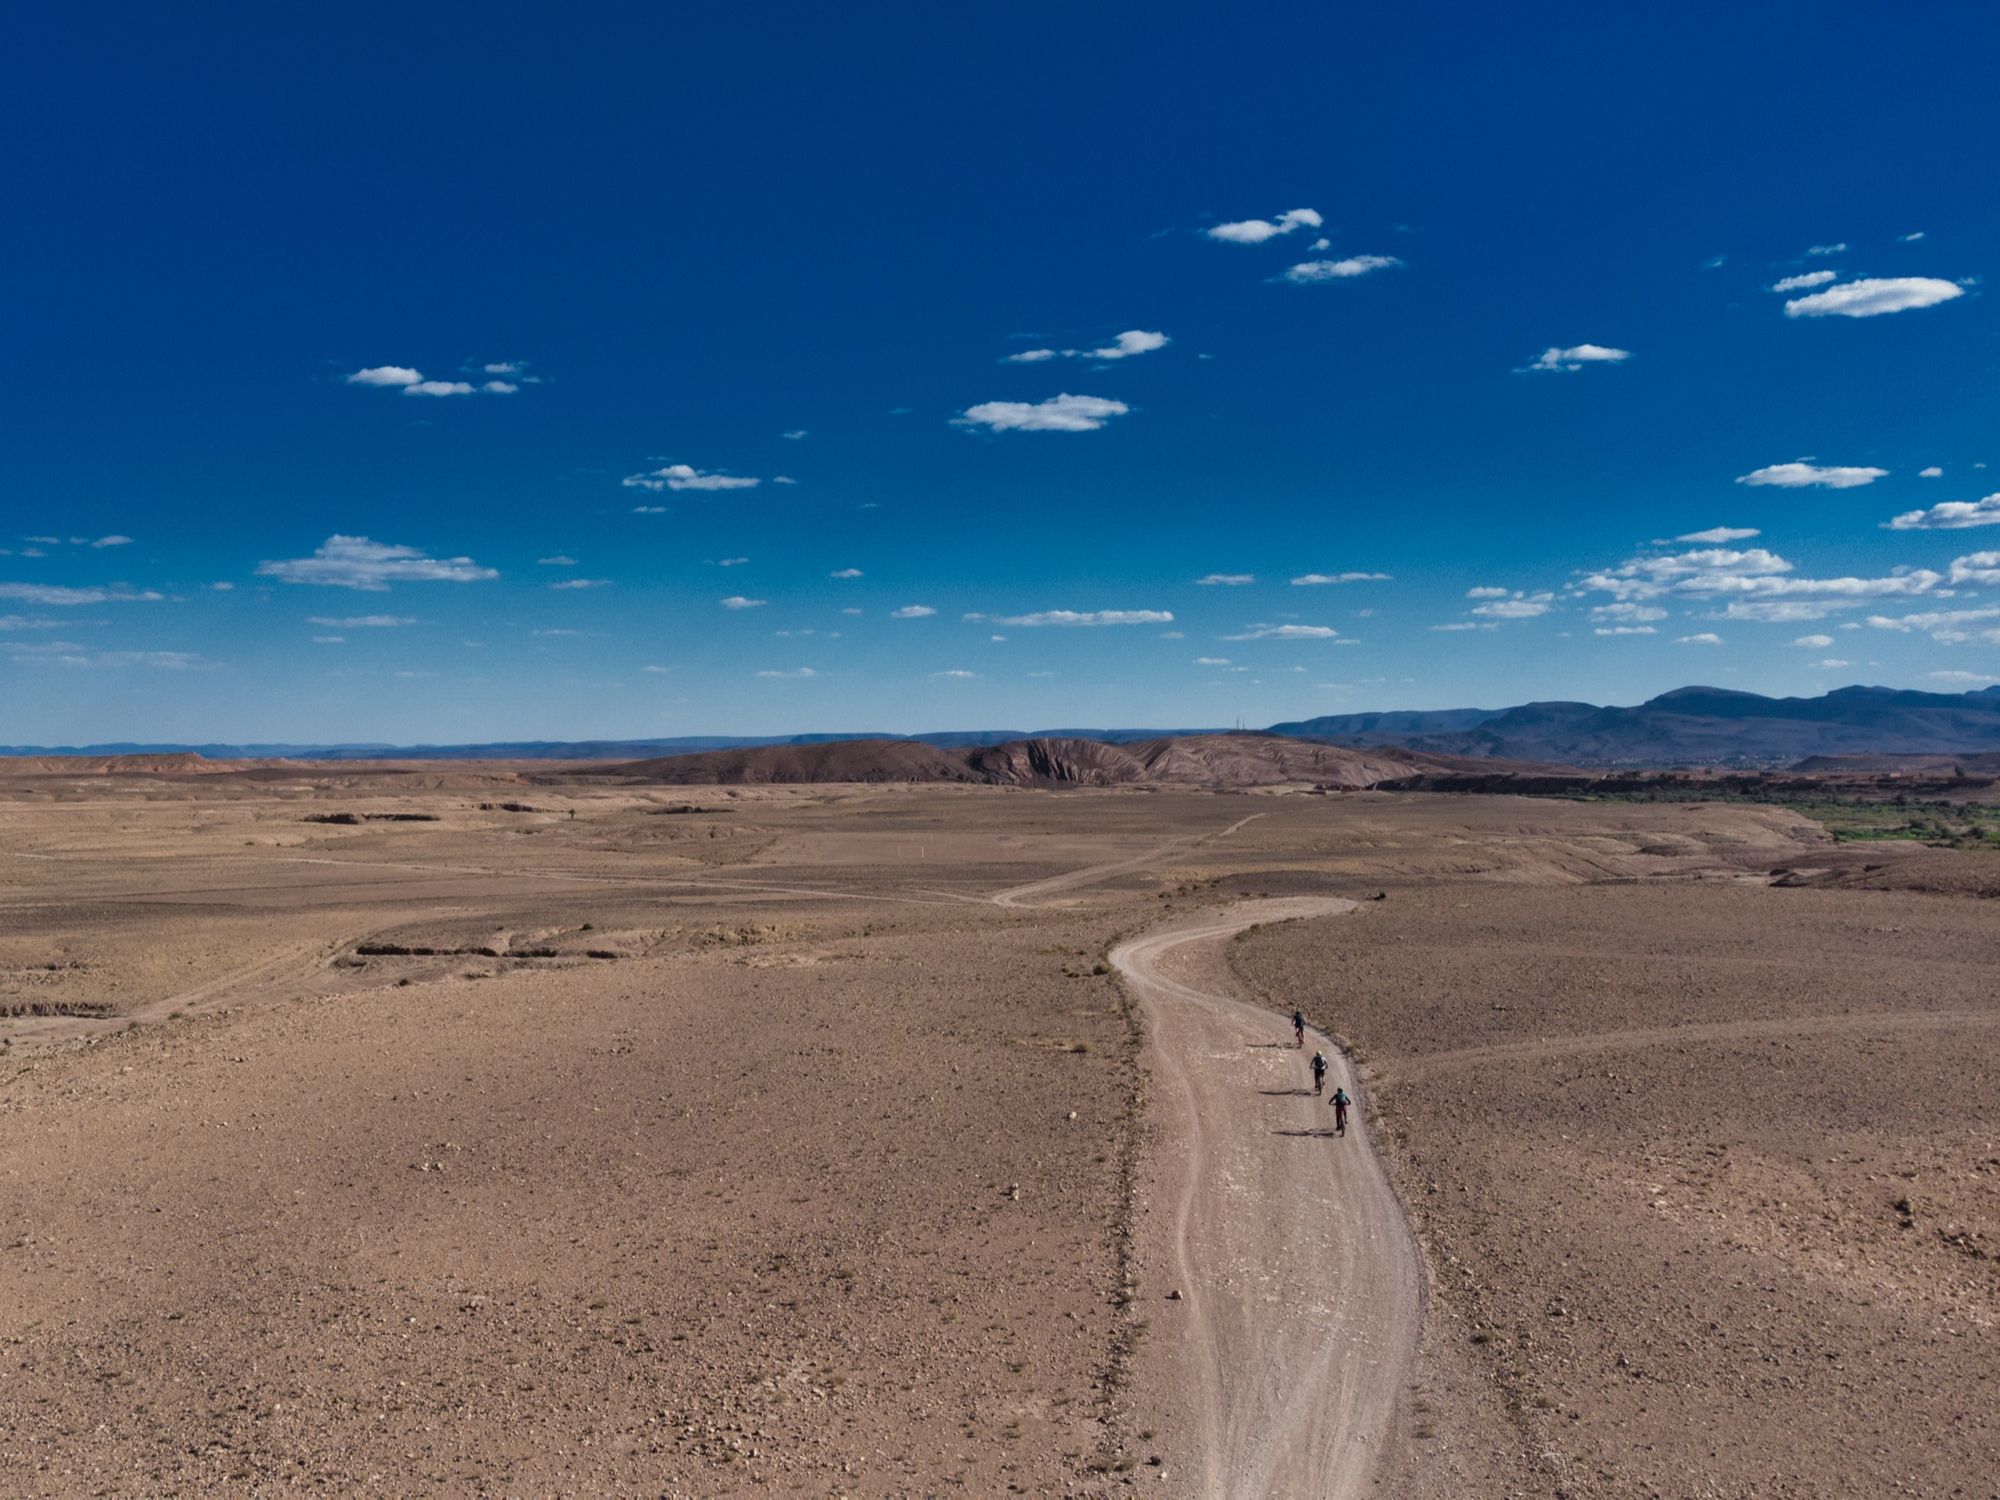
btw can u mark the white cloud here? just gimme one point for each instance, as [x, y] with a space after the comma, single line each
[1798, 475]
[1814, 642]
[500, 388]
[737, 601]
[1086, 617]
[329, 640]
[1286, 633]
[1874, 295]
[1976, 567]
[1952, 515]
[1518, 606]
[1225, 580]
[438, 388]
[558, 561]
[957, 674]
[850, 611]
[1308, 580]
[385, 375]
[1717, 536]
[797, 434]
[1630, 614]
[1911, 238]
[1755, 583]
[783, 479]
[1625, 630]
[1809, 279]
[731, 562]
[1834, 249]
[1977, 678]
[1933, 472]
[655, 669]
[360, 622]
[112, 541]
[1457, 625]
[1702, 638]
[1063, 413]
[1211, 661]
[1947, 625]
[845, 573]
[222, 588]
[800, 672]
[356, 562]
[686, 477]
[504, 367]
[651, 510]
[1132, 341]
[1577, 356]
[1313, 272]
[582, 583]
[559, 634]
[1487, 591]
[912, 612]
[1256, 231]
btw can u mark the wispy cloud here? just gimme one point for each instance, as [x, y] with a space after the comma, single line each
[356, 562]
[1261, 632]
[956, 674]
[1933, 472]
[1625, 630]
[1518, 605]
[1576, 357]
[1974, 679]
[1946, 625]
[1312, 580]
[1256, 231]
[687, 477]
[1064, 413]
[57, 596]
[1803, 473]
[1212, 661]
[1718, 536]
[1805, 280]
[912, 612]
[1082, 617]
[1874, 295]
[737, 601]
[582, 583]
[1132, 342]
[558, 561]
[360, 622]
[1225, 580]
[796, 435]
[1837, 248]
[1814, 642]
[1628, 614]
[1753, 584]
[1700, 638]
[845, 573]
[1952, 515]
[794, 674]
[1313, 272]
[1454, 626]
[411, 382]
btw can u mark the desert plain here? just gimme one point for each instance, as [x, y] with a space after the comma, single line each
[524, 1130]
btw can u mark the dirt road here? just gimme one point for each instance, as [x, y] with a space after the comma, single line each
[1278, 1370]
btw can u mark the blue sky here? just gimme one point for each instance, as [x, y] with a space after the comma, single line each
[1471, 308]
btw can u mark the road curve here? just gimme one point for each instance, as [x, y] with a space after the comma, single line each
[1301, 1289]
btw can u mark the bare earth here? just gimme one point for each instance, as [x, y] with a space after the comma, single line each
[807, 1140]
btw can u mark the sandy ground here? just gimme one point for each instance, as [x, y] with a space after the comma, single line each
[715, 1141]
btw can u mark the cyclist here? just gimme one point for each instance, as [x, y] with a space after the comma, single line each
[1340, 1101]
[1319, 1073]
[1299, 1027]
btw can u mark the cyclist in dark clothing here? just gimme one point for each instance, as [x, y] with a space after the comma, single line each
[1319, 1073]
[1299, 1027]
[1340, 1101]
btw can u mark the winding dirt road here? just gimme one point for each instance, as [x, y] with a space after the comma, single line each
[1279, 1369]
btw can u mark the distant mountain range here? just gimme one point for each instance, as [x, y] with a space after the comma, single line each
[1691, 726]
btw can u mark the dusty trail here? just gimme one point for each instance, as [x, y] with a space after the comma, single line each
[1300, 1283]
[1029, 894]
